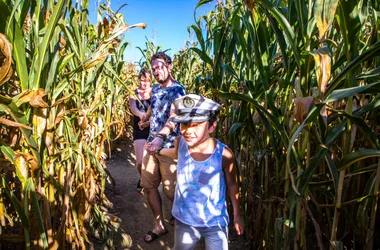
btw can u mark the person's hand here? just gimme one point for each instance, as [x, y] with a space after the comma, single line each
[143, 125]
[140, 123]
[142, 116]
[154, 145]
[239, 224]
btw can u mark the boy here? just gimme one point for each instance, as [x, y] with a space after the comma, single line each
[206, 168]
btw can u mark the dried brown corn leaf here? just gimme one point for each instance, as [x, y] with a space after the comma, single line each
[6, 70]
[13, 124]
[36, 99]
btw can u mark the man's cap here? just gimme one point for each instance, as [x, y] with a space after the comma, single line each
[194, 108]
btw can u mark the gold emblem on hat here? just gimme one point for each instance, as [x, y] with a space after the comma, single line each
[188, 102]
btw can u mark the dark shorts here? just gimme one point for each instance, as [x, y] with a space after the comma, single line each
[140, 134]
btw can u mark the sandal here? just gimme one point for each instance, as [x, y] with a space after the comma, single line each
[139, 188]
[154, 236]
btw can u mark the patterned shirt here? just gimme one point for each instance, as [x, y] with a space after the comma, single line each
[162, 99]
[200, 193]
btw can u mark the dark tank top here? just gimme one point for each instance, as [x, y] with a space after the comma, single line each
[143, 107]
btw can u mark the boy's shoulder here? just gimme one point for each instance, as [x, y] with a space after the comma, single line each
[226, 151]
[228, 155]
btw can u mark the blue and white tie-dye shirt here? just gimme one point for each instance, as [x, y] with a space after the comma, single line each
[162, 99]
[200, 193]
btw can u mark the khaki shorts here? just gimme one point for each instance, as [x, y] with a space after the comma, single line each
[157, 168]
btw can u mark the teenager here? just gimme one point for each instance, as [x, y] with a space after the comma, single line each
[139, 104]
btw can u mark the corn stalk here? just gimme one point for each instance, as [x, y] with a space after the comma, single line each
[309, 104]
[59, 111]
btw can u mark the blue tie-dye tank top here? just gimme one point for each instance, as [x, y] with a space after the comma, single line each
[200, 193]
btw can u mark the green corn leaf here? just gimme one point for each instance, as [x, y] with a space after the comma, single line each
[278, 234]
[202, 2]
[373, 74]
[52, 76]
[363, 170]
[4, 18]
[353, 157]
[366, 205]
[65, 60]
[359, 112]
[199, 35]
[241, 97]
[281, 41]
[7, 152]
[17, 38]
[29, 188]
[73, 45]
[324, 11]
[375, 5]
[20, 211]
[306, 176]
[15, 9]
[203, 56]
[24, 11]
[258, 55]
[43, 47]
[128, 88]
[362, 125]
[286, 27]
[75, 29]
[367, 55]
[121, 52]
[60, 87]
[19, 117]
[333, 170]
[235, 128]
[340, 94]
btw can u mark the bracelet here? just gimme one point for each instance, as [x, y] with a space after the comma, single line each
[159, 150]
[162, 136]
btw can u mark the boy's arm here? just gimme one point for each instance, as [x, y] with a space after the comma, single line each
[171, 152]
[229, 169]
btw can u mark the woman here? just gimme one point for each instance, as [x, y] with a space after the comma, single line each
[139, 108]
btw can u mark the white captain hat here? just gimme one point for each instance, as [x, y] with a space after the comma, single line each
[194, 108]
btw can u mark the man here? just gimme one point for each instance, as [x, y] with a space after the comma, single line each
[157, 168]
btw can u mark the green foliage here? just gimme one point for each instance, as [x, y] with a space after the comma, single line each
[299, 84]
[59, 111]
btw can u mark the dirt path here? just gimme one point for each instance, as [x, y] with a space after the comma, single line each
[132, 207]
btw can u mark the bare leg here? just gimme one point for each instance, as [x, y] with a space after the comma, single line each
[155, 204]
[139, 151]
[150, 180]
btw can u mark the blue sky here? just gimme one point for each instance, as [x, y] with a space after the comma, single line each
[167, 22]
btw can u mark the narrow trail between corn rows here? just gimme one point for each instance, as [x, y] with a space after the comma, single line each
[132, 206]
